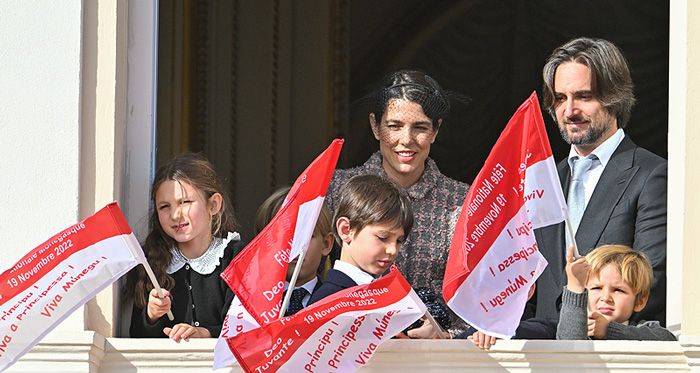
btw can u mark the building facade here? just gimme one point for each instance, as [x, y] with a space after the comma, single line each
[78, 110]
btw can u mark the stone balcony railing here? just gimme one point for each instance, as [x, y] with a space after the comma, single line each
[90, 352]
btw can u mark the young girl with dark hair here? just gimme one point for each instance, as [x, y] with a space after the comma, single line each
[191, 241]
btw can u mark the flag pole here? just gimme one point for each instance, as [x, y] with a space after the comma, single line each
[572, 237]
[440, 332]
[292, 283]
[154, 281]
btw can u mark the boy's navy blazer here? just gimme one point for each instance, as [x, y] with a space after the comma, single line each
[317, 286]
[335, 282]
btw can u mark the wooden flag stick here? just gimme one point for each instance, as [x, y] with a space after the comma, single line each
[292, 283]
[440, 332]
[154, 281]
[572, 237]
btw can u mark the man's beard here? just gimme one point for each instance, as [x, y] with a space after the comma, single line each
[591, 135]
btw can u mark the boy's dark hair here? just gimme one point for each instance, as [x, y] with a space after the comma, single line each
[371, 199]
[269, 208]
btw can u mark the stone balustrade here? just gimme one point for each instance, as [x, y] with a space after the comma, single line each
[90, 352]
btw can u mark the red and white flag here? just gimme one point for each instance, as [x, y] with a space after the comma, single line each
[257, 274]
[337, 334]
[236, 321]
[60, 275]
[494, 259]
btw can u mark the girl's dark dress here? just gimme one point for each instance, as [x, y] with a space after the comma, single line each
[200, 296]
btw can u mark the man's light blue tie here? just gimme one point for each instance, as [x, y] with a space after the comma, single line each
[577, 195]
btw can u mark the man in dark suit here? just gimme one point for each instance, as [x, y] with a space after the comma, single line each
[619, 187]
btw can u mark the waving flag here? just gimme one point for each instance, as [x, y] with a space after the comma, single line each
[494, 259]
[339, 333]
[257, 274]
[236, 321]
[60, 275]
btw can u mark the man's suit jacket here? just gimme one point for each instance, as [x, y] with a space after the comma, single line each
[628, 206]
[335, 282]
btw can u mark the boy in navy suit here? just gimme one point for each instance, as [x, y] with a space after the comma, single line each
[313, 267]
[372, 220]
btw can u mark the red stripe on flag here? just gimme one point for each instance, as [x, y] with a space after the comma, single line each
[496, 194]
[258, 272]
[272, 345]
[108, 222]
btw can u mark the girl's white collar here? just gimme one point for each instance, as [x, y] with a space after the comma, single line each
[206, 263]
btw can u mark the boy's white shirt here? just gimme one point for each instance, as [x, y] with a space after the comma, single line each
[359, 276]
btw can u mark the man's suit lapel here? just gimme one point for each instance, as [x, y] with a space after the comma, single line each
[559, 241]
[564, 176]
[551, 238]
[318, 284]
[612, 185]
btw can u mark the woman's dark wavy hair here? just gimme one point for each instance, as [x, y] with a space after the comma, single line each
[415, 86]
[193, 169]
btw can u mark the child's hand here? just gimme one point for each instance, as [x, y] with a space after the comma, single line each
[157, 306]
[531, 292]
[481, 340]
[186, 331]
[576, 272]
[597, 325]
[425, 331]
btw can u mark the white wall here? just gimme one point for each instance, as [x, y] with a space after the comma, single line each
[678, 45]
[39, 122]
[40, 48]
